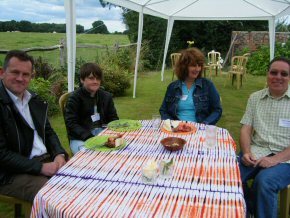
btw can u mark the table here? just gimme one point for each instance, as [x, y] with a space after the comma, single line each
[206, 181]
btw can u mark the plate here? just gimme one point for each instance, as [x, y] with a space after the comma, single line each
[124, 125]
[183, 133]
[96, 143]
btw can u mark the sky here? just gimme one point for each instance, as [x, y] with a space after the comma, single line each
[52, 11]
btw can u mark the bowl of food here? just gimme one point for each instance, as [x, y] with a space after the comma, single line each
[173, 143]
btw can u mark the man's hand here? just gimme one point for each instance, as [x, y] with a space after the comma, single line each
[49, 169]
[248, 159]
[60, 160]
[266, 162]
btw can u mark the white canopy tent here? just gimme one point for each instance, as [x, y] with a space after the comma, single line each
[172, 10]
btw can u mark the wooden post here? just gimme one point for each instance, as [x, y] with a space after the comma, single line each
[116, 46]
[62, 53]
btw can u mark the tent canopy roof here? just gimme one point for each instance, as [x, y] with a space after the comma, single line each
[210, 9]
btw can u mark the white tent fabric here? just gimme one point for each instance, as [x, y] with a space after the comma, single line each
[172, 10]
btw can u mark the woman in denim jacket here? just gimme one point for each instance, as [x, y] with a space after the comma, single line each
[191, 97]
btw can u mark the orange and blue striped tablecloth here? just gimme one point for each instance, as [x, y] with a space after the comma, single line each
[205, 183]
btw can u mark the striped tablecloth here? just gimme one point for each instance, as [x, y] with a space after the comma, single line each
[206, 181]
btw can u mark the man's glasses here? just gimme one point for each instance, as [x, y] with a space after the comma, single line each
[275, 73]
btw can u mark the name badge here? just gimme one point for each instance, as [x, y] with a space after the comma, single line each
[183, 97]
[95, 117]
[284, 123]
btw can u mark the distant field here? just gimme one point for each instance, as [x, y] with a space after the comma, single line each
[19, 40]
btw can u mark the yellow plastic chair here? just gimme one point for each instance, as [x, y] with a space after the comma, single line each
[174, 58]
[247, 55]
[238, 70]
[19, 205]
[62, 102]
[285, 202]
[213, 58]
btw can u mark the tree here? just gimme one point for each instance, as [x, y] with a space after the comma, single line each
[153, 32]
[25, 26]
[207, 35]
[99, 27]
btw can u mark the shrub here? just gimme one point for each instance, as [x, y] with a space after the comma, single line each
[58, 82]
[42, 88]
[116, 80]
[79, 62]
[259, 60]
[42, 68]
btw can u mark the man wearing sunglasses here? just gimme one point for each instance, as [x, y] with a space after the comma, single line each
[265, 142]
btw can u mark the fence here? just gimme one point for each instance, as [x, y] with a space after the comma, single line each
[62, 48]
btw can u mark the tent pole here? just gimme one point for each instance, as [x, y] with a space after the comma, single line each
[271, 23]
[170, 23]
[70, 41]
[140, 30]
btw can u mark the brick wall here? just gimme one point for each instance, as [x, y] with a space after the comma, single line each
[254, 39]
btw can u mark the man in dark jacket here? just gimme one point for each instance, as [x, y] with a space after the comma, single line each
[30, 151]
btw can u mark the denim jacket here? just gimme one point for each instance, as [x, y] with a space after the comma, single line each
[206, 101]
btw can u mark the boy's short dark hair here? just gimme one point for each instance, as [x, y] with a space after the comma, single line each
[19, 54]
[91, 68]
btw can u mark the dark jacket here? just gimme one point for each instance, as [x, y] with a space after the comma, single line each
[80, 108]
[206, 101]
[16, 137]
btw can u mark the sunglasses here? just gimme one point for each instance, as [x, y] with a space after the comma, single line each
[275, 73]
